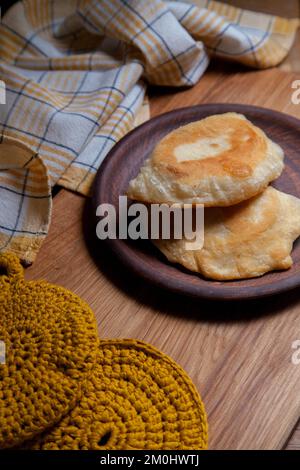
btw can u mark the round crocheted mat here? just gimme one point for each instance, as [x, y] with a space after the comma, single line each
[137, 398]
[51, 344]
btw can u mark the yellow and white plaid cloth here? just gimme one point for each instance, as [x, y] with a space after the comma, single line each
[75, 73]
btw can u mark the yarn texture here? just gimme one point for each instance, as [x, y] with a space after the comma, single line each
[136, 398]
[51, 344]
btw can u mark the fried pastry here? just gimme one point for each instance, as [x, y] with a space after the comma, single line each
[243, 241]
[219, 161]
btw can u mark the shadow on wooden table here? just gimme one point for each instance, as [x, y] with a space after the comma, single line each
[221, 68]
[169, 302]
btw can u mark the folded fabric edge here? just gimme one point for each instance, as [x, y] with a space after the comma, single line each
[24, 176]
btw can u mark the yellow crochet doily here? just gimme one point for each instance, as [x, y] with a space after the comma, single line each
[51, 344]
[137, 398]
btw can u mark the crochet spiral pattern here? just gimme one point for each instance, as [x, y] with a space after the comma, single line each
[51, 344]
[137, 398]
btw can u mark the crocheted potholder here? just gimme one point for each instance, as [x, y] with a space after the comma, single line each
[51, 344]
[137, 398]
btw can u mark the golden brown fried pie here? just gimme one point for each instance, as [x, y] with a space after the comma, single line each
[243, 241]
[218, 161]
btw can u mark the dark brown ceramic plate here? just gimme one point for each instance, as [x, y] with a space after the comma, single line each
[123, 163]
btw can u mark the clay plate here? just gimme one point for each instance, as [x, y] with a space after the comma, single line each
[123, 163]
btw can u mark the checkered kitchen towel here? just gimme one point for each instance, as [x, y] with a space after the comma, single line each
[75, 73]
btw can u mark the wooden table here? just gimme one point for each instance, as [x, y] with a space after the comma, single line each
[238, 355]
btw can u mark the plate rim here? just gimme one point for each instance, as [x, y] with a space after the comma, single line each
[126, 254]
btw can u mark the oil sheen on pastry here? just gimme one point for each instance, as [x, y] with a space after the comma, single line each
[219, 161]
[243, 241]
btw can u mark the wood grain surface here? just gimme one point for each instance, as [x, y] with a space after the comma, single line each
[238, 354]
[124, 162]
